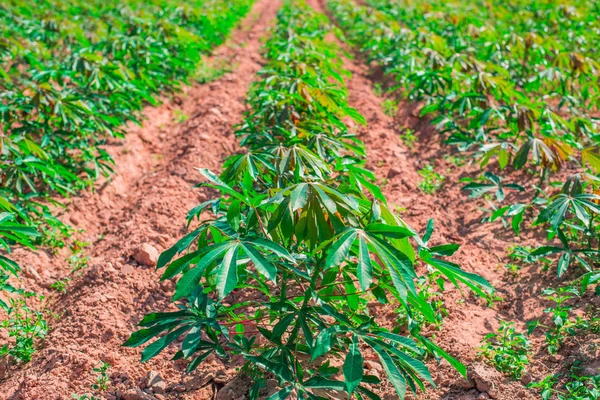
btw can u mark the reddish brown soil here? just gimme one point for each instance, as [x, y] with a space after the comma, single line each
[146, 202]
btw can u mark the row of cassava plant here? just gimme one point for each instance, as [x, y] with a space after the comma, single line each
[73, 73]
[300, 239]
[545, 54]
[463, 77]
[447, 67]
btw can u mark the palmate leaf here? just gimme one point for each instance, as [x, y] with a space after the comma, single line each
[580, 205]
[455, 275]
[567, 253]
[302, 161]
[537, 148]
[399, 264]
[495, 185]
[217, 183]
[251, 163]
[226, 257]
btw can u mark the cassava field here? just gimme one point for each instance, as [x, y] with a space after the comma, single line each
[300, 199]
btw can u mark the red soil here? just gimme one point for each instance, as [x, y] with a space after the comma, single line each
[146, 202]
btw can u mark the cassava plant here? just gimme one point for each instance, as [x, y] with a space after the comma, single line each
[72, 74]
[299, 239]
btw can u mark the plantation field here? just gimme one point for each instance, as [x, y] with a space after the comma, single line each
[299, 199]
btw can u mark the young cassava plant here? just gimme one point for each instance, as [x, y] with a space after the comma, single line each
[300, 239]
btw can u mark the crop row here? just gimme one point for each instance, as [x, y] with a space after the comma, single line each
[511, 89]
[467, 80]
[299, 241]
[72, 74]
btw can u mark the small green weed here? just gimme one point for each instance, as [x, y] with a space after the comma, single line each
[211, 70]
[24, 325]
[60, 285]
[507, 350]
[389, 107]
[179, 116]
[78, 259]
[408, 137]
[576, 387]
[102, 380]
[432, 181]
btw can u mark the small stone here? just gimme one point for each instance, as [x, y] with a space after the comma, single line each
[221, 377]
[179, 388]
[485, 379]
[393, 172]
[155, 382]
[127, 269]
[237, 388]
[218, 113]
[526, 379]
[74, 219]
[31, 272]
[137, 394]
[556, 358]
[146, 255]
[373, 366]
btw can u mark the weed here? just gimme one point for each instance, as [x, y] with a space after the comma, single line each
[210, 71]
[179, 116]
[378, 89]
[23, 324]
[60, 285]
[431, 181]
[507, 350]
[389, 107]
[78, 259]
[574, 387]
[102, 380]
[512, 269]
[408, 137]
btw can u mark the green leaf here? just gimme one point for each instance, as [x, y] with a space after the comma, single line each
[339, 250]
[353, 366]
[563, 263]
[393, 373]
[234, 216]
[264, 266]
[189, 281]
[299, 196]
[156, 347]
[280, 370]
[390, 231]
[282, 394]
[364, 268]
[227, 272]
[143, 335]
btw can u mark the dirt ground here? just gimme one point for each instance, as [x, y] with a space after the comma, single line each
[142, 210]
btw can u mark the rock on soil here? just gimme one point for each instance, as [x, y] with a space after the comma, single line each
[137, 394]
[155, 382]
[238, 388]
[146, 255]
[486, 379]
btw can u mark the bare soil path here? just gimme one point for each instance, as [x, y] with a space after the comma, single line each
[144, 204]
